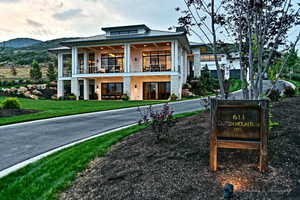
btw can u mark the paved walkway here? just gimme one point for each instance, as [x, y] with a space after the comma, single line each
[23, 141]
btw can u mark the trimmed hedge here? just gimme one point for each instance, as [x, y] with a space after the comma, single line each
[11, 103]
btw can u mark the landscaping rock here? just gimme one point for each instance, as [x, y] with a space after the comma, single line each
[37, 93]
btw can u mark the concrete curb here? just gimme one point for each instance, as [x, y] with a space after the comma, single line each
[24, 163]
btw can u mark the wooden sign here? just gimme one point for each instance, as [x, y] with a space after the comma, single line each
[239, 124]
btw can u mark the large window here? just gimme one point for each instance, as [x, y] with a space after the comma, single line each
[209, 58]
[91, 63]
[157, 61]
[80, 63]
[156, 90]
[111, 91]
[112, 62]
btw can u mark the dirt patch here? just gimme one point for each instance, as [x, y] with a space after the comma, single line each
[139, 168]
[14, 112]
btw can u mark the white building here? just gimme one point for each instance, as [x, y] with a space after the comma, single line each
[134, 60]
[202, 56]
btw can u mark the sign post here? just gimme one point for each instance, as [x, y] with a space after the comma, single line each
[239, 124]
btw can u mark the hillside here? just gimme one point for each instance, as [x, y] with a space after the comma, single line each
[20, 42]
[25, 55]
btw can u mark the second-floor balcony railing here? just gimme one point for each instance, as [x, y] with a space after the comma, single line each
[120, 69]
[156, 68]
[104, 69]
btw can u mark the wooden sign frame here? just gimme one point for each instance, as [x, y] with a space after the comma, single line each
[239, 124]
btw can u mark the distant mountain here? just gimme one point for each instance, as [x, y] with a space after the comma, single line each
[20, 42]
[24, 55]
[47, 44]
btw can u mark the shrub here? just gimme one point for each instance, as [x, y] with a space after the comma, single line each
[296, 76]
[11, 103]
[289, 91]
[71, 97]
[125, 97]
[273, 95]
[162, 120]
[173, 97]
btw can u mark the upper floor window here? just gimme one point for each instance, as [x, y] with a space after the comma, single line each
[112, 62]
[157, 61]
[128, 32]
[209, 58]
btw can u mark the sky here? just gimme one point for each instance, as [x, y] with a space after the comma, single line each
[51, 19]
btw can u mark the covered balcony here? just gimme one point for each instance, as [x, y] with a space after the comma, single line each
[126, 58]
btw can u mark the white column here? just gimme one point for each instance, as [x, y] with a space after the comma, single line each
[60, 65]
[197, 63]
[75, 87]
[60, 88]
[186, 66]
[176, 56]
[86, 89]
[127, 85]
[176, 85]
[181, 69]
[127, 59]
[74, 60]
[85, 62]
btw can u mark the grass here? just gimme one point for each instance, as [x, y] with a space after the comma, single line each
[235, 84]
[52, 108]
[46, 178]
[297, 84]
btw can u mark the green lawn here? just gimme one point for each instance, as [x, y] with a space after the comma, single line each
[235, 84]
[47, 177]
[52, 108]
[297, 84]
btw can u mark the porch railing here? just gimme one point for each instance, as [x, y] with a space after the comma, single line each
[156, 68]
[106, 69]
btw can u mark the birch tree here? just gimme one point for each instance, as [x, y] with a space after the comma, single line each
[200, 17]
[261, 29]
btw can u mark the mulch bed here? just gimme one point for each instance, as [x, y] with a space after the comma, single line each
[178, 168]
[14, 112]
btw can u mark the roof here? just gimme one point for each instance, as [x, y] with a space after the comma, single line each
[104, 38]
[117, 28]
[59, 49]
[196, 44]
[222, 48]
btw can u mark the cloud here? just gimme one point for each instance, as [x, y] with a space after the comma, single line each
[8, 1]
[33, 23]
[68, 14]
[4, 30]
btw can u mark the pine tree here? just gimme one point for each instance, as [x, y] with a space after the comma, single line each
[51, 74]
[35, 72]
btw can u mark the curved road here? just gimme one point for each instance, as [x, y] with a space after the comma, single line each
[20, 142]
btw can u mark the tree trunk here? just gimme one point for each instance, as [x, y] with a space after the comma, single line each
[243, 68]
[220, 74]
[250, 52]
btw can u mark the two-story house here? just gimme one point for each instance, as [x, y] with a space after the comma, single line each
[145, 64]
[228, 58]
